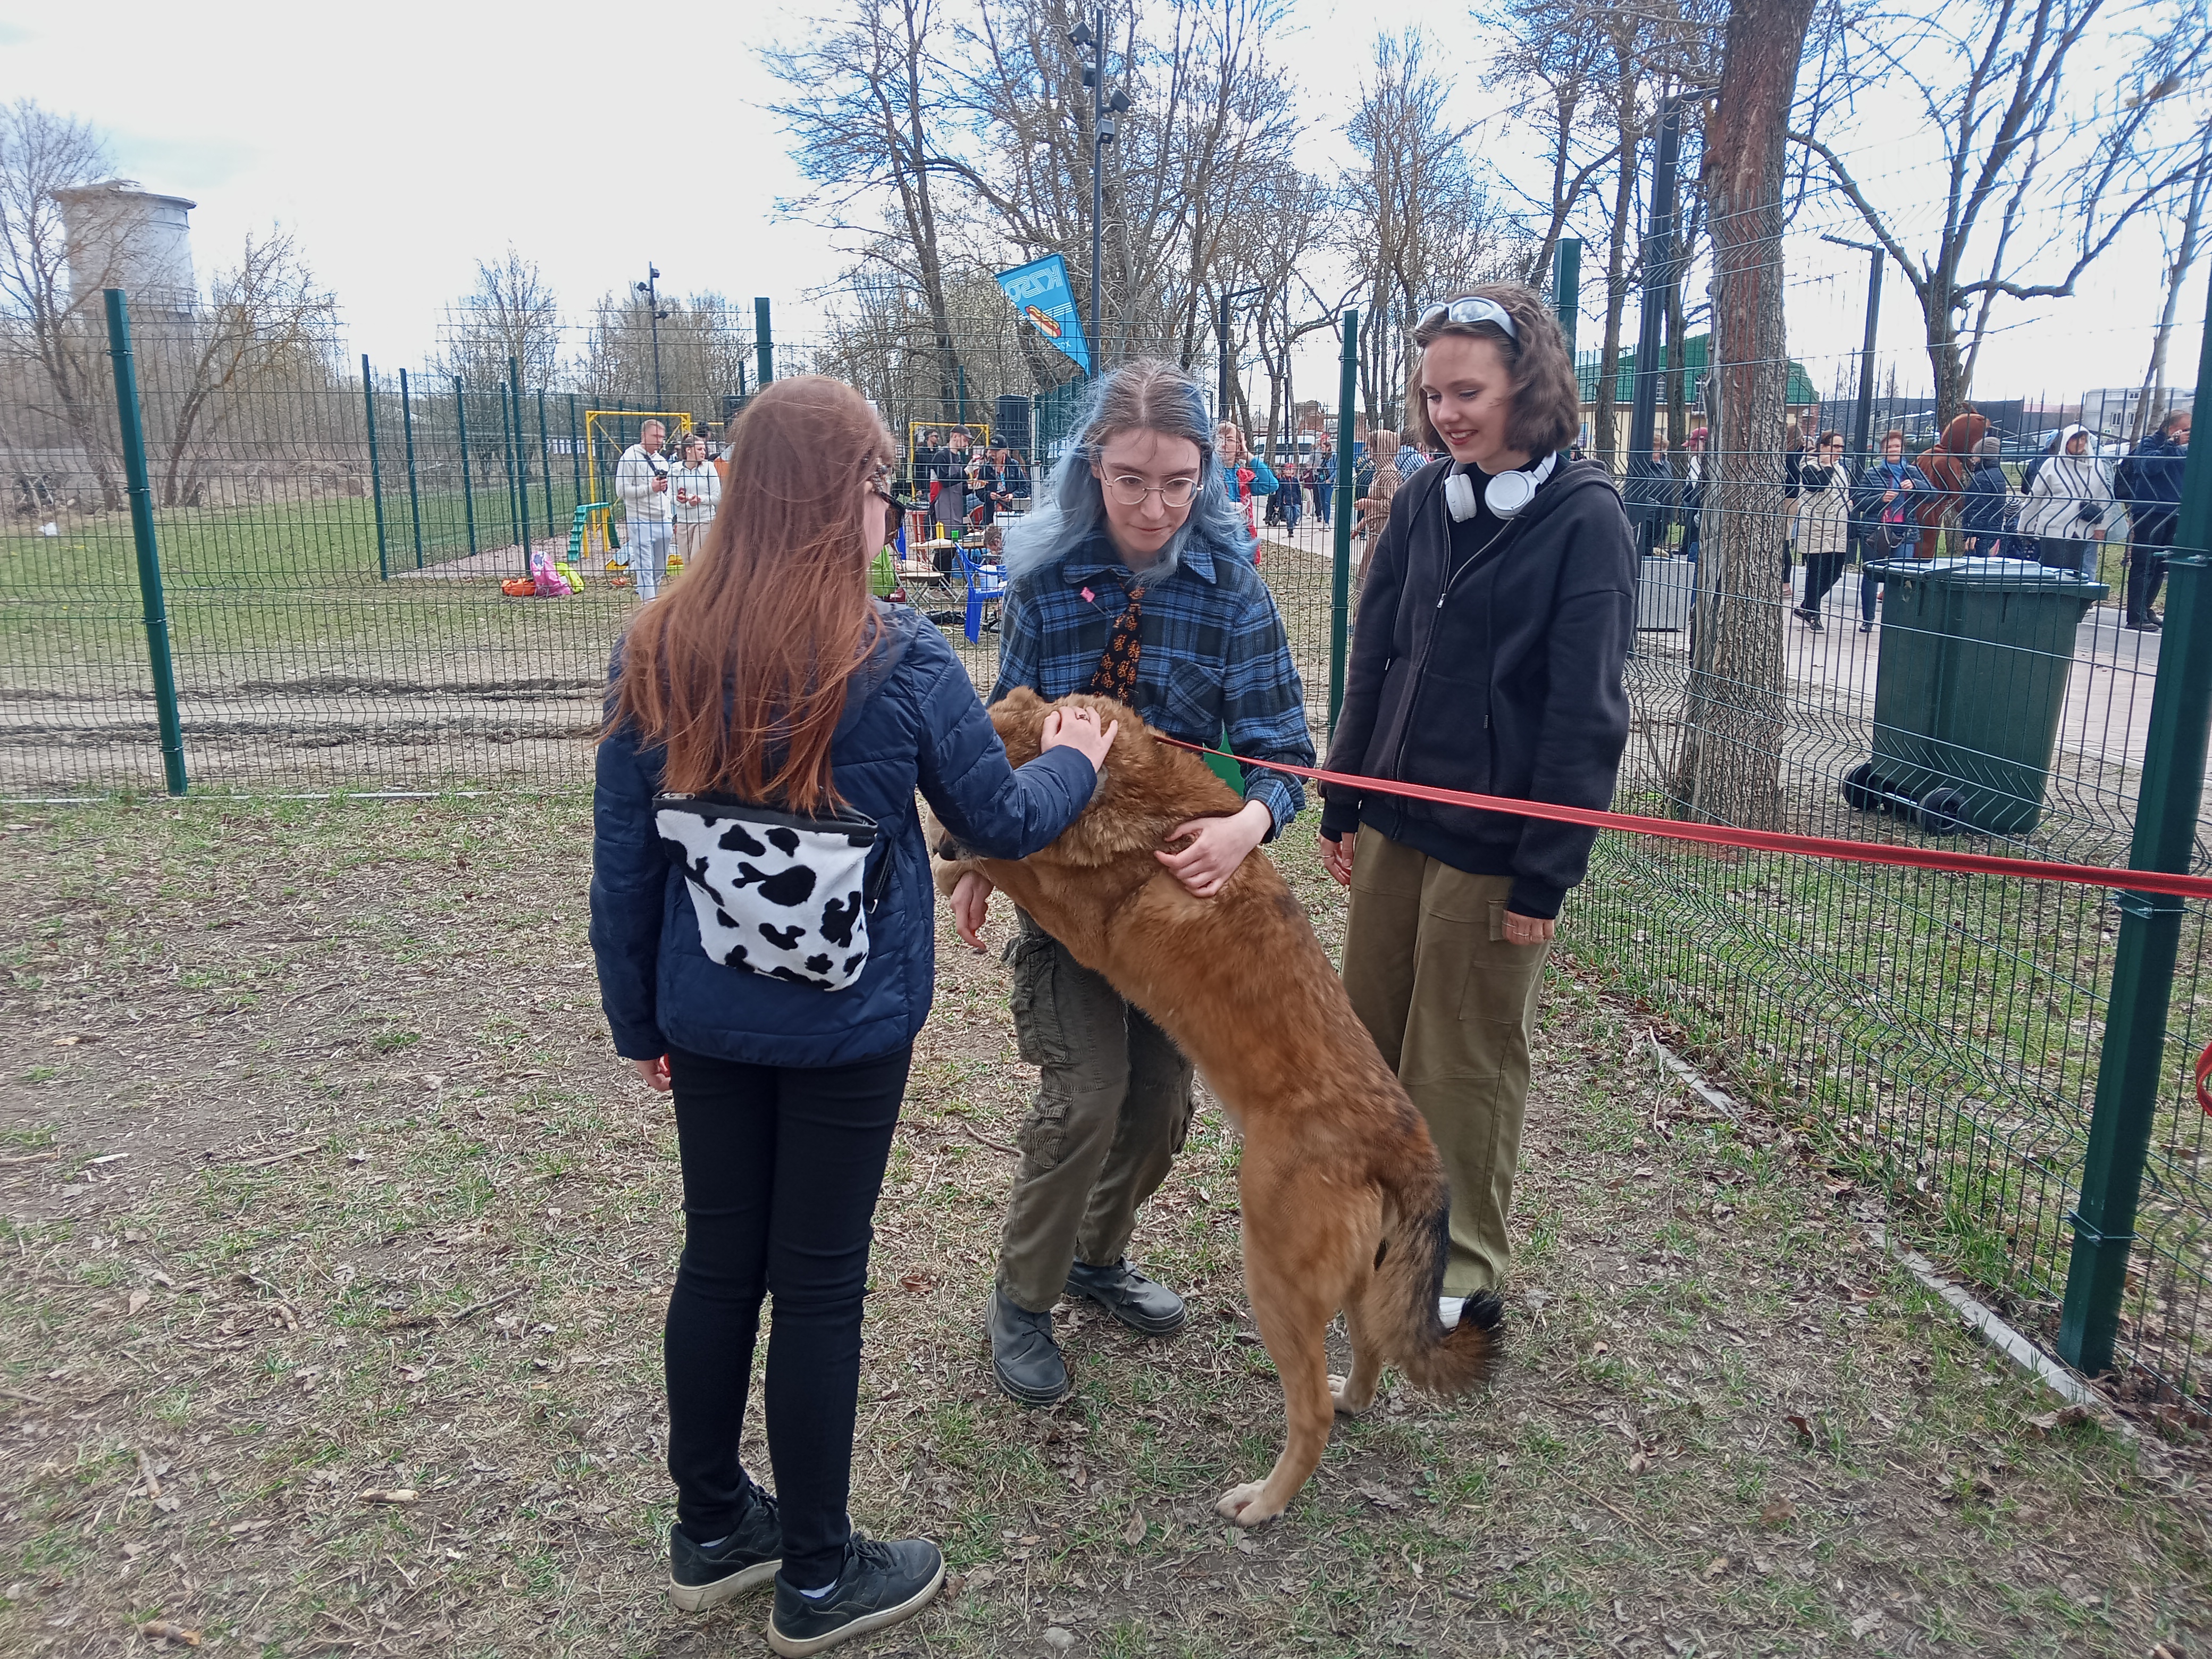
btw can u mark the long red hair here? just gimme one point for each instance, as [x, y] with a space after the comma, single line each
[739, 668]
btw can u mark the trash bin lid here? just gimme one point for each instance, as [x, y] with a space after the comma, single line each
[2018, 575]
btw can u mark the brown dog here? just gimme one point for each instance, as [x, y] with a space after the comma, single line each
[1343, 1200]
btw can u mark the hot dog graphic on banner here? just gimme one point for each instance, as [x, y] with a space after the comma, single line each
[1040, 291]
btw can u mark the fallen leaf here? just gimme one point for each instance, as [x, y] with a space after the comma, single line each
[1796, 1421]
[982, 1576]
[138, 1300]
[67, 1042]
[394, 1495]
[1602, 1349]
[1382, 1496]
[915, 1283]
[2065, 1418]
[1865, 1625]
[162, 1631]
[1134, 1532]
[1029, 1538]
[1639, 1463]
[1780, 1513]
[1715, 1567]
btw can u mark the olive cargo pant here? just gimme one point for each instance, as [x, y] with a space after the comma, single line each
[1113, 1104]
[1452, 1005]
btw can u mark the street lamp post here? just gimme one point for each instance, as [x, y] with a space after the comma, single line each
[1865, 435]
[1103, 129]
[1221, 331]
[650, 288]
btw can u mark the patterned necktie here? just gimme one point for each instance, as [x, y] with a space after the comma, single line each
[1115, 676]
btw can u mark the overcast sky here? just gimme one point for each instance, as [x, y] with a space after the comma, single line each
[401, 142]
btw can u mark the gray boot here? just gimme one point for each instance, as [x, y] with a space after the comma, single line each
[1025, 1358]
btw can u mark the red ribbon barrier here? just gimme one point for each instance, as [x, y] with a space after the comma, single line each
[1765, 840]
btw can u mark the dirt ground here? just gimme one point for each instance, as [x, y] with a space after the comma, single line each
[339, 1242]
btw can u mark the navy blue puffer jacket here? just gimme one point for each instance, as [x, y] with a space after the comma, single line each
[912, 721]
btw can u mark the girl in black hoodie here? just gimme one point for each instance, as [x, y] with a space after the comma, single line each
[1492, 634]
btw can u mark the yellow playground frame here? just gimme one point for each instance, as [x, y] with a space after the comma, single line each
[598, 530]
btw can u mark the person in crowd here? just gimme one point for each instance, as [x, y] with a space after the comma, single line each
[1693, 493]
[1489, 655]
[1823, 529]
[696, 491]
[1292, 493]
[1796, 449]
[1409, 458]
[948, 503]
[770, 692]
[983, 485]
[2067, 507]
[1324, 485]
[1131, 578]
[641, 483]
[1013, 482]
[1374, 504]
[1244, 473]
[1985, 502]
[1882, 505]
[2149, 484]
[926, 445]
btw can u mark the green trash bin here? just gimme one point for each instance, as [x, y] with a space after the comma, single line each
[1969, 689]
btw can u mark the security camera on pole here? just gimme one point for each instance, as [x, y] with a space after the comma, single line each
[1105, 128]
[650, 288]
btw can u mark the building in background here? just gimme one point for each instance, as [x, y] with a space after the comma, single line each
[121, 236]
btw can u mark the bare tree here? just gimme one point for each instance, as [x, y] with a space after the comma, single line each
[51, 305]
[512, 312]
[1729, 766]
[265, 324]
[1557, 51]
[1990, 80]
[704, 341]
[861, 128]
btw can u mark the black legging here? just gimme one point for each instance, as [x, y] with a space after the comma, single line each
[781, 1169]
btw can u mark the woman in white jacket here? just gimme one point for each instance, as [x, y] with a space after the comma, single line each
[2068, 502]
[695, 488]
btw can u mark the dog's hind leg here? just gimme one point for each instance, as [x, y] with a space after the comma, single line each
[1302, 1254]
[1354, 1394]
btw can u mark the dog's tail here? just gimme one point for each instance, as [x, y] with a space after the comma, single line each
[1409, 1278]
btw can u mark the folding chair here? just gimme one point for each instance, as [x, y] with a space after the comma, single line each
[987, 586]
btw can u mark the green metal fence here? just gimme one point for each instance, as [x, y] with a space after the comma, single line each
[314, 566]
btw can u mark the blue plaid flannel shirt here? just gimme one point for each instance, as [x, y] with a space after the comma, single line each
[1214, 660]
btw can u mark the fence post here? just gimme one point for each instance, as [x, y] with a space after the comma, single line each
[414, 494]
[468, 483]
[2132, 1070]
[506, 464]
[545, 461]
[375, 471]
[141, 532]
[521, 462]
[1340, 576]
[763, 343]
[575, 450]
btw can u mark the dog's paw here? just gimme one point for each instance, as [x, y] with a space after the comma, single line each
[1242, 1504]
[1344, 1405]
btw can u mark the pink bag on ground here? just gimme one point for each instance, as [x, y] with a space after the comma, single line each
[551, 583]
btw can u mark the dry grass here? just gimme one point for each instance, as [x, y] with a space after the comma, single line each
[388, 1217]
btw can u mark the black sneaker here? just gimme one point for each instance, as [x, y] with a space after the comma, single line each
[699, 1577]
[1143, 1305]
[881, 1584]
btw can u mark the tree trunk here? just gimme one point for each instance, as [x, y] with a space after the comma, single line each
[1730, 767]
[2150, 408]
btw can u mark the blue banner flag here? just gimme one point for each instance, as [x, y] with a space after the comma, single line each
[1040, 291]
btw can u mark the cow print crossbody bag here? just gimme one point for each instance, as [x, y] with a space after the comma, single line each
[784, 893]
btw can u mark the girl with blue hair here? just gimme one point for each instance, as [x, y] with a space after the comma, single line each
[1132, 578]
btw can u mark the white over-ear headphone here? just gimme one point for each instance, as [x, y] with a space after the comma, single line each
[1506, 495]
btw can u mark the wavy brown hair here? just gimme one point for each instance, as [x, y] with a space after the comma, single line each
[1547, 402]
[738, 669]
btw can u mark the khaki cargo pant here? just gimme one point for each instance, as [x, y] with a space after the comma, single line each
[1113, 1105]
[1452, 1005]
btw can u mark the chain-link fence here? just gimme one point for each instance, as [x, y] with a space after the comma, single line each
[332, 541]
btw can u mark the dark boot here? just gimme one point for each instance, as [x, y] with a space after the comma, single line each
[1144, 1305]
[1024, 1359]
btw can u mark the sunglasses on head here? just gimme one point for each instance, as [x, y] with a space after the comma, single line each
[1471, 310]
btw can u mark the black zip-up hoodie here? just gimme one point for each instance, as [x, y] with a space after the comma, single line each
[1508, 684]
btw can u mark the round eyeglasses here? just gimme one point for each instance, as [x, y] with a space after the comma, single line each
[1130, 491]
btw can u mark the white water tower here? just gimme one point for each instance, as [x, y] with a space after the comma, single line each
[123, 236]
